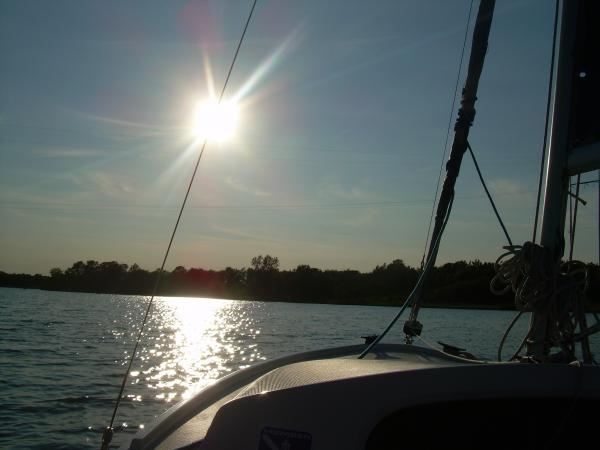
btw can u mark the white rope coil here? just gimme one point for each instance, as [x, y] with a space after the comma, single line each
[528, 271]
[540, 283]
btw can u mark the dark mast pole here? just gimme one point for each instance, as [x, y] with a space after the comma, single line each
[466, 115]
[557, 177]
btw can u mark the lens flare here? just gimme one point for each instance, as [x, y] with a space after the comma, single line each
[216, 121]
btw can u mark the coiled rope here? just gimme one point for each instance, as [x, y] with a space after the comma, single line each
[538, 284]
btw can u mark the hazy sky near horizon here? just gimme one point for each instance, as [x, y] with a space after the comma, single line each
[344, 108]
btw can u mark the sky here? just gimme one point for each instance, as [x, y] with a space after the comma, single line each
[343, 112]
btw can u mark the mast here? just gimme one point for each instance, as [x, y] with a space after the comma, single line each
[574, 148]
[557, 180]
[466, 115]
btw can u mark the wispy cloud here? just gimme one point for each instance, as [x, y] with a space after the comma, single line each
[20, 197]
[380, 58]
[132, 129]
[353, 43]
[103, 183]
[239, 235]
[363, 218]
[60, 152]
[238, 186]
[506, 186]
[336, 190]
[46, 214]
[128, 123]
[42, 207]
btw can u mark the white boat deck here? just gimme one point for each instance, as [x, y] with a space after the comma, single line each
[335, 400]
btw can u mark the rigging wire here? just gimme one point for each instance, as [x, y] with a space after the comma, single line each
[108, 432]
[507, 332]
[546, 126]
[586, 182]
[540, 178]
[464, 121]
[570, 218]
[236, 207]
[573, 224]
[521, 346]
[451, 115]
[489, 196]
[427, 343]
[422, 277]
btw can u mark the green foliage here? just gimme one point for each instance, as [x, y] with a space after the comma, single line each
[462, 283]
[265, 263]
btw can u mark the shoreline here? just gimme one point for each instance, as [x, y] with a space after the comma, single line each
[346, 303]
[593, 308]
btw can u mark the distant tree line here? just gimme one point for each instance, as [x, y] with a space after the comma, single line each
[458, 284]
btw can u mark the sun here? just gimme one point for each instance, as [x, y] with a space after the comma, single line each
[216, 121]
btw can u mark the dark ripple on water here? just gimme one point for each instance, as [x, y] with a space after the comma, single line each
[62, 355]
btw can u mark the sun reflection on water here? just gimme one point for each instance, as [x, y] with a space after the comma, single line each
[190, 344]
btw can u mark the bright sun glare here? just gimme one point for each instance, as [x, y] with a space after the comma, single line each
[216, 121]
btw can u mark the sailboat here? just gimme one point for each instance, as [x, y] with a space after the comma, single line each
[383, 396]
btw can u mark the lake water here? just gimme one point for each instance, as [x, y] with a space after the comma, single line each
[62, 355]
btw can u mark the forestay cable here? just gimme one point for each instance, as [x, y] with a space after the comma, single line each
[444, 151]
[108, 432]
[464, 121]
[418, 286]
[489, 196]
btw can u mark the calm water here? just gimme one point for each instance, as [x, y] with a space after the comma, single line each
[62, 355]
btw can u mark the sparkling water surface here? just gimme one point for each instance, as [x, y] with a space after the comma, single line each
[62, 355]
